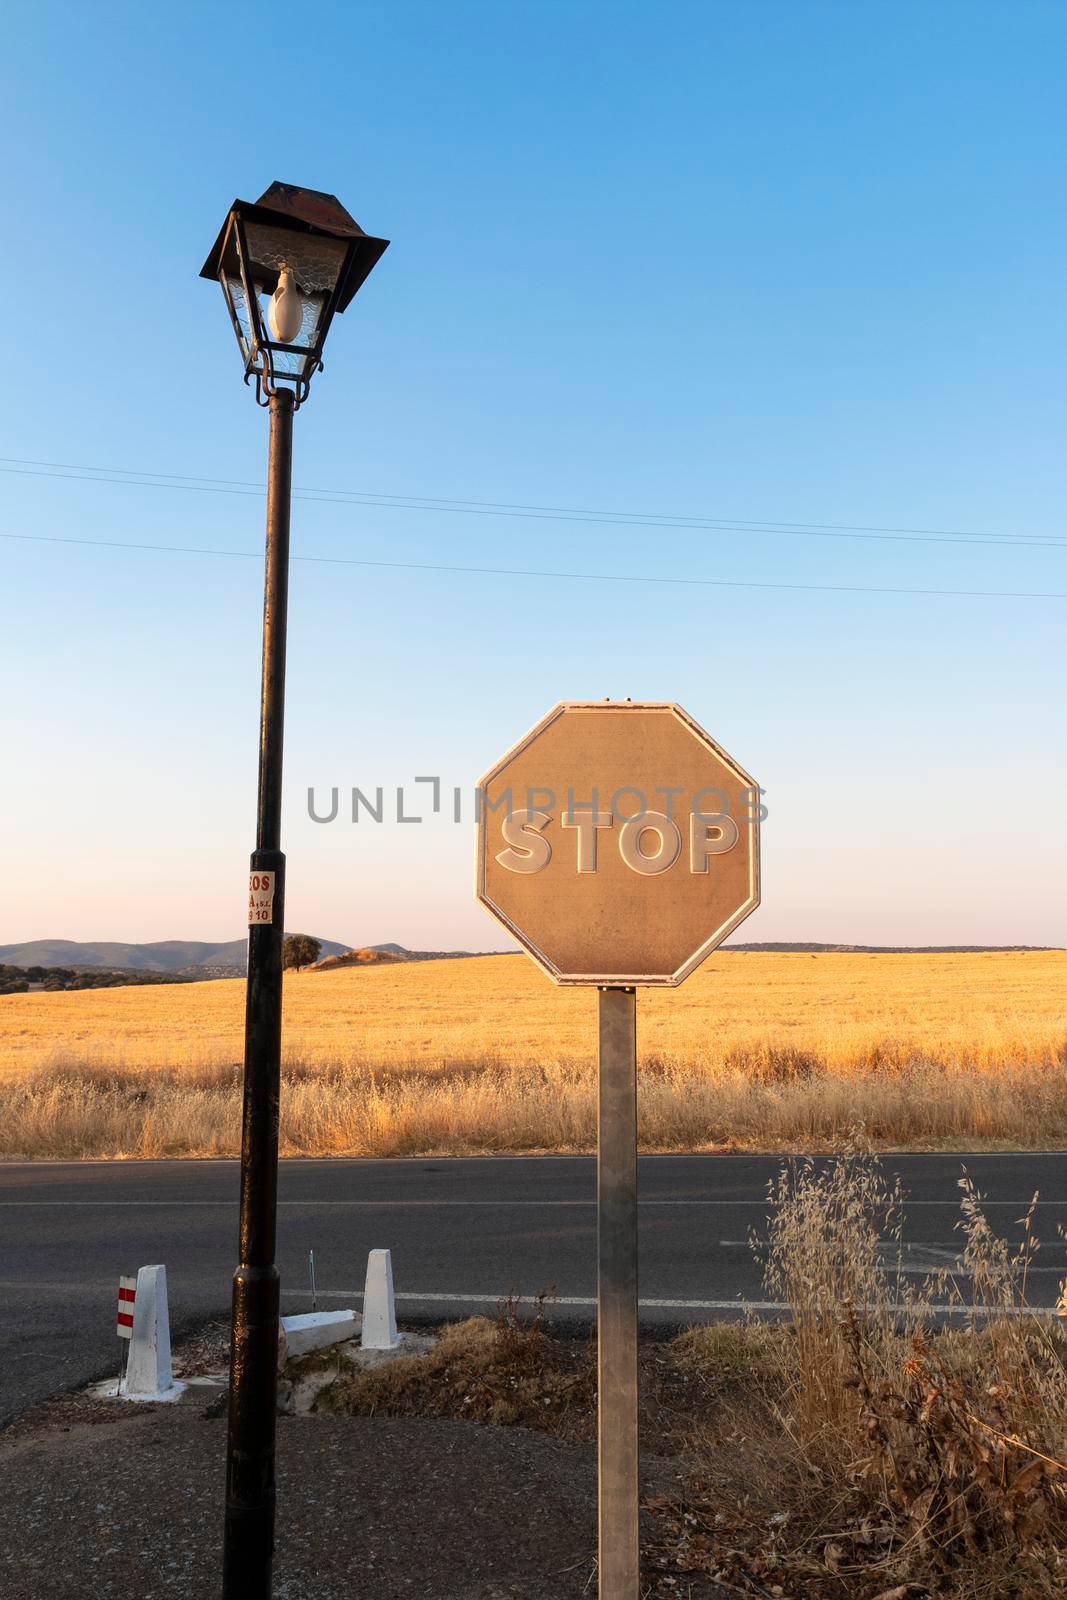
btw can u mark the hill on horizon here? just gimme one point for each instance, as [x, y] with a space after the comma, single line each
[191, 956]
[804, 948]
[163, 955]
[376, 954]
[200, 957]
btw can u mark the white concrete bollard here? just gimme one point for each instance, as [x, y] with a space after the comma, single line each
[148, 1370]
[315, 1330]
[379, 1308]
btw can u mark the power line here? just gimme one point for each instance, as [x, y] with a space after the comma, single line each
[133, 478]
[531, 572]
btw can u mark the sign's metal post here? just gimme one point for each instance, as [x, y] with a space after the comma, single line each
[617, 1483]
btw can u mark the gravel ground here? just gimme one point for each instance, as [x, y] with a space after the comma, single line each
[376, 1507]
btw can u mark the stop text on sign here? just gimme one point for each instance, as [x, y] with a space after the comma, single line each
[649, 842]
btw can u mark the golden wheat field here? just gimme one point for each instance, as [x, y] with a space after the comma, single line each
[755, 1050]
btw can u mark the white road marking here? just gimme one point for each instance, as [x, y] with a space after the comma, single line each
[437, 1163]
[908, 1248]
[390, 1205]
[668, 1305]
[586, 1301]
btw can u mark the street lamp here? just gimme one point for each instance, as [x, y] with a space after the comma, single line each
[286, 264]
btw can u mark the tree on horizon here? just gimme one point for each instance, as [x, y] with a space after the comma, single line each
[300, 950]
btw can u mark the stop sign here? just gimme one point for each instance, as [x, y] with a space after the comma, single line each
[618, 843]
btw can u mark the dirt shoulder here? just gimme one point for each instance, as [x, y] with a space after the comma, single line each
[441, 1509]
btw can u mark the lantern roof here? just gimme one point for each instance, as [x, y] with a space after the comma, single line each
[307, 211]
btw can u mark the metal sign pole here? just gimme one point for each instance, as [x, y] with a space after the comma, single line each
[617, 1485]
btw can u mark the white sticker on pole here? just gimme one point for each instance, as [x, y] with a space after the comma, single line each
[124, 1317]
[261, 897]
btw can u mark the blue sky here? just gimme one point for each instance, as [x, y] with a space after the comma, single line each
[791, 262]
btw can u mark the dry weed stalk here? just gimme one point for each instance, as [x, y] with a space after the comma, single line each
[944, 1452]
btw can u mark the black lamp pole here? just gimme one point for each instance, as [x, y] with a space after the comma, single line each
[304, 251]
[249, 1535]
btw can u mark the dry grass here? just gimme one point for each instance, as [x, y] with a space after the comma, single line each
[879, 1456]
[507, 1372]
[775, 1051]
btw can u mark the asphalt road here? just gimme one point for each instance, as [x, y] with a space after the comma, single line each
[463, 1233]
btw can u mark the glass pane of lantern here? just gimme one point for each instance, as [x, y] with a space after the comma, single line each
[315, 261]
[234, 290]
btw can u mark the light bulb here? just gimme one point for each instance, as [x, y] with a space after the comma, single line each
[286, 310]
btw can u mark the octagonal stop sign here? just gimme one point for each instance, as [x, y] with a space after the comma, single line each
[618, 843]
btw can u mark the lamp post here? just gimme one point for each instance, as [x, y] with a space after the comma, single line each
[286, 265]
